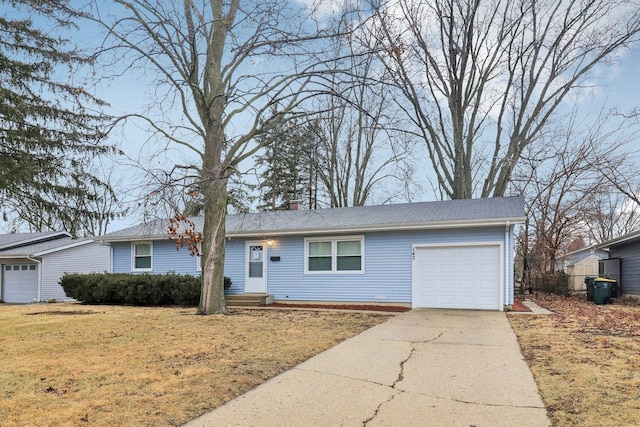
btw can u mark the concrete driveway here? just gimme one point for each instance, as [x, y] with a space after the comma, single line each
[420, 368]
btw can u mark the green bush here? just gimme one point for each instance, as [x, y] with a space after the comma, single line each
[135, 289]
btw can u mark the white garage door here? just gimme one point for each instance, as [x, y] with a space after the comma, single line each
[20, 283]
[457, 277]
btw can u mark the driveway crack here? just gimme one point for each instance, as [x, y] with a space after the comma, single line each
[399, 379]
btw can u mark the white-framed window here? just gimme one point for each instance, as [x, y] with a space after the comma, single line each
[334, 255]
[142, 256]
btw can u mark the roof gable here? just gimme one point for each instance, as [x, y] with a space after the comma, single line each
[582, 254]
[622, 240]
[15, 240]
[442, 214]
[43, 247]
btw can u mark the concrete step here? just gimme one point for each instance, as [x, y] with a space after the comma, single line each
[249, 300]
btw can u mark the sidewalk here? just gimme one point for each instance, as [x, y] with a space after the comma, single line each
[420, 368]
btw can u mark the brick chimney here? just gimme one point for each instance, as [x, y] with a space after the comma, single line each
[295, 205]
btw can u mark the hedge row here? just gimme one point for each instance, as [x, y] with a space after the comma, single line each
[135, 289]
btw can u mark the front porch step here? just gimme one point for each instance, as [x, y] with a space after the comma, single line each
[249, 300]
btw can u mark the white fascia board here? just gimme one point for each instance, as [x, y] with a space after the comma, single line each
[311, 231]
[619, 240]
[21, 256]
[382, 227]
[132, 238]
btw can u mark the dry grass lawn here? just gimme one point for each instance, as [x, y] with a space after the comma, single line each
[70, 364]
[585, 359]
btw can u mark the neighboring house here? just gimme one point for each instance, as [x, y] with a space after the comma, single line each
[624, 262]
[580, 264]
[32, 263]
[451, 254]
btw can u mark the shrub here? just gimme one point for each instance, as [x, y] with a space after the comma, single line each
[553, 282]
[135, 289]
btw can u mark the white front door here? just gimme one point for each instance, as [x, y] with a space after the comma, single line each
[256, 267]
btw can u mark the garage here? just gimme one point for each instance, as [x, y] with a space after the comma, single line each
[19, 283]
[457, 276]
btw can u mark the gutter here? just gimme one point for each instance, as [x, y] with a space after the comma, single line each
[382, 227]
[324, 230]
[39, 296]
[629, 238]
[506, 268]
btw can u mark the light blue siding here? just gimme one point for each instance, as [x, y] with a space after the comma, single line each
[165, 258]
[234, 265]
[387, 264]
[629, 255]
[121, 254]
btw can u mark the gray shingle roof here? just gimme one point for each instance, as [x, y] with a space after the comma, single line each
[42, 246]
[622, 240]
[21, 239]
[441, 214]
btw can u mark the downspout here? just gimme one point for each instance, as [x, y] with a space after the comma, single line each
[39, 296]
[507, 269]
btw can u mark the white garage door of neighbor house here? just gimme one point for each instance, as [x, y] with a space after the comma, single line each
[457, 277]
[20, 283]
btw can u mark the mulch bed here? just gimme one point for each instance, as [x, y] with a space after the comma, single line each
[519, 306]
[388, 308]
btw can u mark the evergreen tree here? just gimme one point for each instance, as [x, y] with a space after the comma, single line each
[48, 137]
[287, 168]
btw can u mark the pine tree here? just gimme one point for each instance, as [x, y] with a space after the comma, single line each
[287, 168]
[48, 137]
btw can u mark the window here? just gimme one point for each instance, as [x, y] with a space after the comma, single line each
[348, 255]
[142, 256]
[334, 255]
[7, 268]
[32, 267]
[256, 261]
[320, 256]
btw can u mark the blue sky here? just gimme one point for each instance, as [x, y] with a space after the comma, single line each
[620, 87]
[616, 85]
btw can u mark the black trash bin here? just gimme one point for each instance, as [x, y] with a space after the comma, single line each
[588, 281]
[602, 291]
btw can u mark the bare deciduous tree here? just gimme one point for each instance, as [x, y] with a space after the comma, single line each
[610, 214]
[481, 80]
[563, 183]
[218, 68]
[361, 152]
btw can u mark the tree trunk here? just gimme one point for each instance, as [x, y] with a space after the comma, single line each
[212, 297]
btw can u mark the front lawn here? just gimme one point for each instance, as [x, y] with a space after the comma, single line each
[72, 364]
[585, 359]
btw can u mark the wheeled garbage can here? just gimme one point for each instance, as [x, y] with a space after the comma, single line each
[602, 290]
[588, 281]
